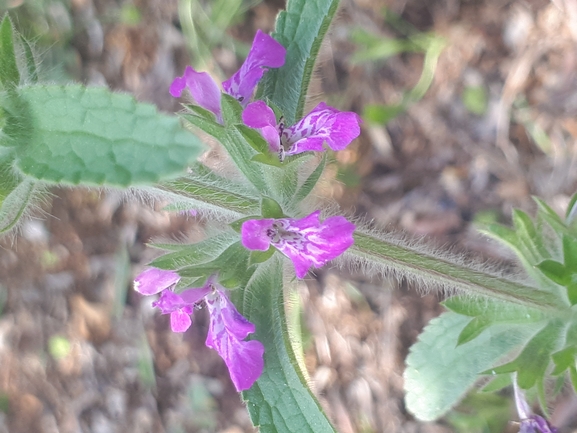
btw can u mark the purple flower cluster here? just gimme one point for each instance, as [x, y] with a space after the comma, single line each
[323, 124]
[307, 241]
[227, 330]
[265, 53]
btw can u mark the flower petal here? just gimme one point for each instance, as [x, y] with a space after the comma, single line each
[306, 241]
[180, 319]
[536, 424]
[246, 364]
[254, 234]
[235, 322]
[323, 124]
[265, 52]
[169, 302]
[259, 115]
[195, 295]
[153, 281]
[318, 244]
[202, 88]
[226, 332]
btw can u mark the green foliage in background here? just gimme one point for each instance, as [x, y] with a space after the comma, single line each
[374, 48]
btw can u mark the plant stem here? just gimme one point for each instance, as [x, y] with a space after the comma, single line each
[438, 272]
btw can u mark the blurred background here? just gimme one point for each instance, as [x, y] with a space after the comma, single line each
[469, 108]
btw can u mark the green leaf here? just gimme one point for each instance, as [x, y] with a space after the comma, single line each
[93, 136]
[16, 193]
[283, 181]
[195, 254]
[258, 143]
[255, 139]
[31, 64]
[573, 377]
[206, 125]
[535, 357]
[488, 312]
[231, 110]
[9, 74]
[571, 214]
[555, 271]
[570, 252]
[564, 359]
[270, 208]
[15, 203]
[301, 29]
[438, 374]
[261, 256]
[239, 147]
[267, 159]
[8, 178]
[494, 309]
[231, 266]
[207, 190]
[497, 383]
[527, 257]
[308, 185]
[200, 112]
[242, 154]
[280, 400]
[550, 216]
[473, 329]
[525, 230]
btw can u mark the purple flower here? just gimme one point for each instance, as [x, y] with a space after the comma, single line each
[180, 306]
[227, 329]
[530, 423]
[153, 281]
[306, 241]
[202, 88]
[264, 53]
[323, 124]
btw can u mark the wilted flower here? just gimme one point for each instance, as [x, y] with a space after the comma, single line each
[264, 53]
[306, 241]
[227, 329]
[323, 124]
[530, 423]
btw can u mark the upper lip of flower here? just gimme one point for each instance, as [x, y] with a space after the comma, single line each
[265, 53]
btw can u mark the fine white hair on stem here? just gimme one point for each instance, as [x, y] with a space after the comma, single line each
[425, 280]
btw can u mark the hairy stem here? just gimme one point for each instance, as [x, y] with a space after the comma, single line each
[405, 261]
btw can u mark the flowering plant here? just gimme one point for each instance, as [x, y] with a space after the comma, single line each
[272, 233]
